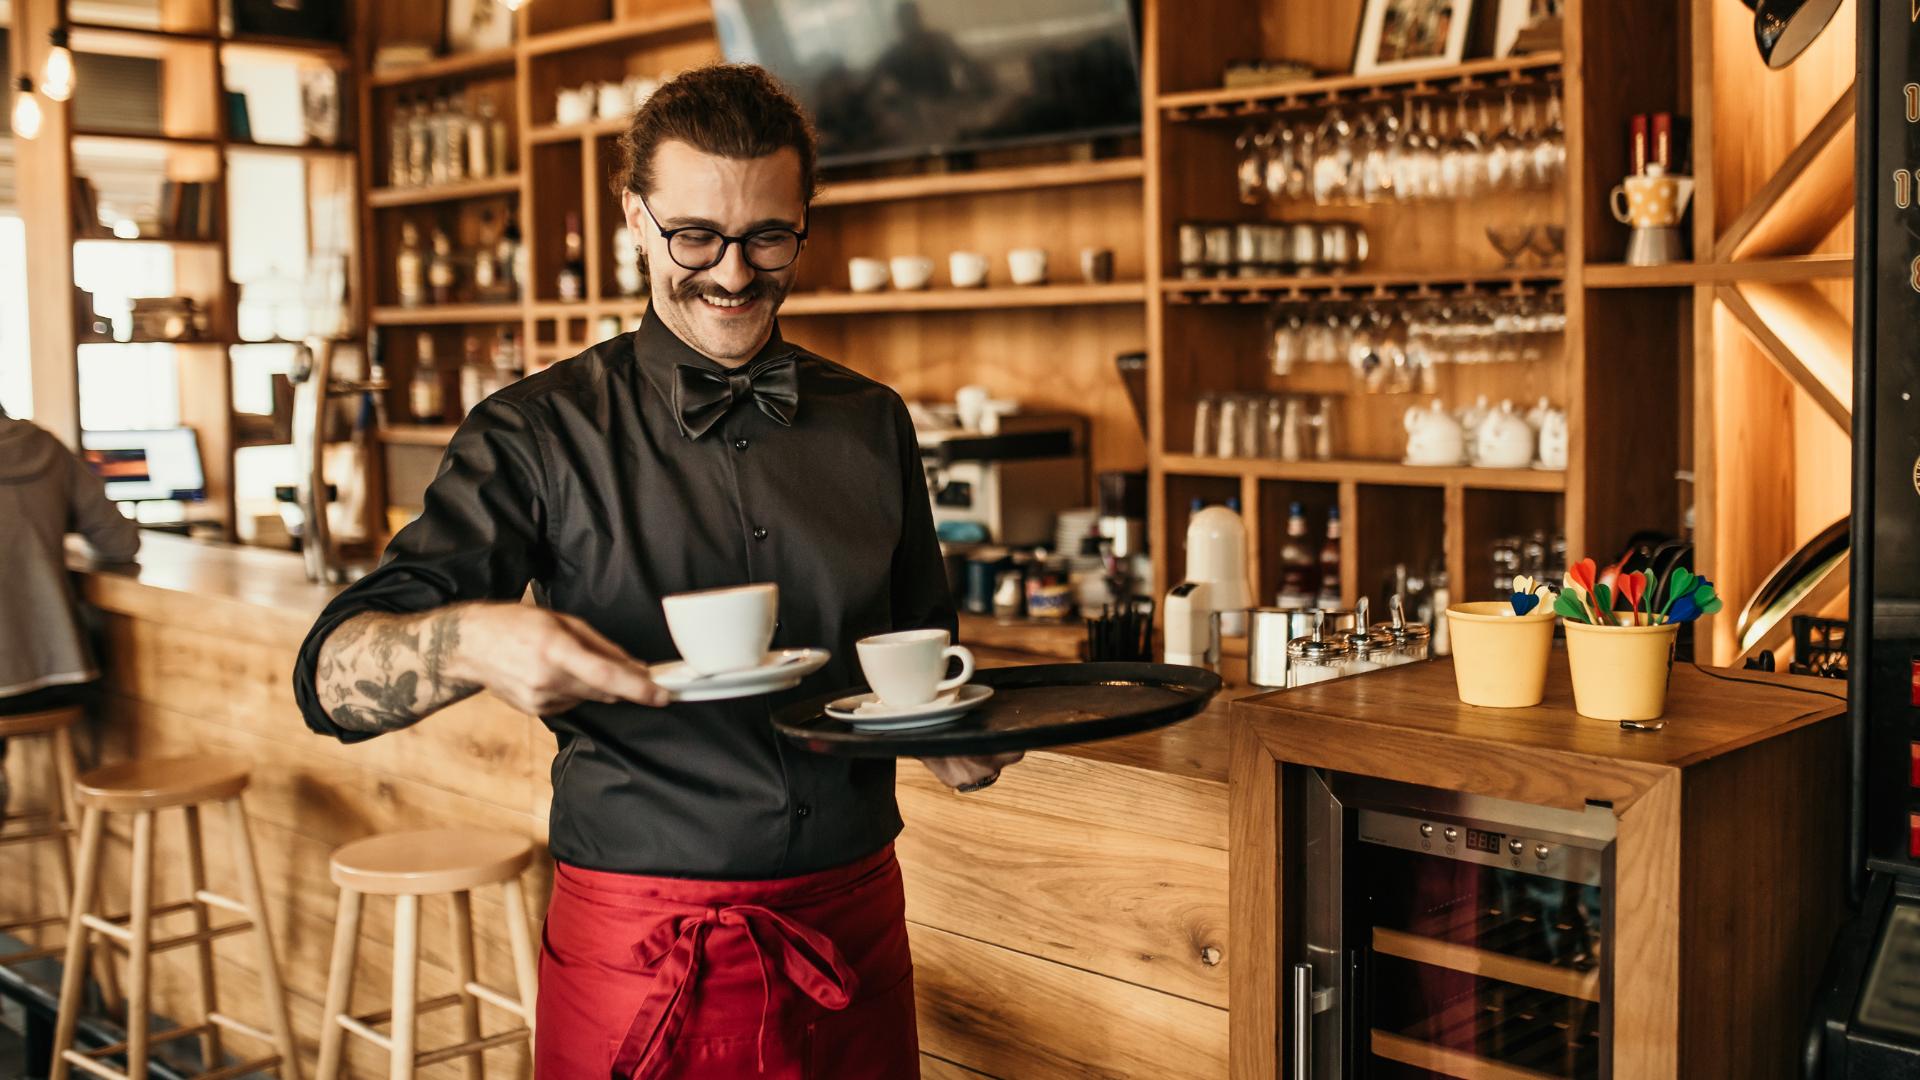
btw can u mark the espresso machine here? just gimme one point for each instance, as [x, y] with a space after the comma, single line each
[1006, 488]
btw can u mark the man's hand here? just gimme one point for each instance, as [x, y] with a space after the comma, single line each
[382, 672]
[969, 773]
[543, 662]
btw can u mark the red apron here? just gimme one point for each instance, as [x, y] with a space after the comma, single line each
[654, 978]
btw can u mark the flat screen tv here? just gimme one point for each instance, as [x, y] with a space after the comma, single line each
[909, 78]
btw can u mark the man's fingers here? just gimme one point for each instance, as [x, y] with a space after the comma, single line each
[605, 678]
[626, 677]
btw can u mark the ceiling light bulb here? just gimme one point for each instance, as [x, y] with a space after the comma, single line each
[512, 5]
[26, 109]
[56, 78]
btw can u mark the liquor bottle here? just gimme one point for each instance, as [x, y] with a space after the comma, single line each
[1329, 598]
[440, 274]
[479, 159]
[453, 141]
[408, 270]
[397, 143]
[497, 138]
[573, 271]
[419, 144]
[423, 393]
[486, 276]
[1297, 585]
[474, 376]
[509, 258]
[506, 360]
[437, 142]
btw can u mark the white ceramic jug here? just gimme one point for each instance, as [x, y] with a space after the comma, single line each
[1504, 440]
[1553, 440]
[1434, 437]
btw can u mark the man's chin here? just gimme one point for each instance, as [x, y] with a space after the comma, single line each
[734, 334]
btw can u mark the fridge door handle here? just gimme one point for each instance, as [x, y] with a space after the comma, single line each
[1303, 1022]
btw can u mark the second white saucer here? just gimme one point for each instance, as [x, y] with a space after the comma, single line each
[865, 712]
[780, 670]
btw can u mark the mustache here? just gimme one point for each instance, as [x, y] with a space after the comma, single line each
[762, 287]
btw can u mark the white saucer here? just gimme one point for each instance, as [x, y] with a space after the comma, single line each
[780, 670]
[865, 712]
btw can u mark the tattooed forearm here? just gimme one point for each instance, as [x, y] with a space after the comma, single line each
[379, 672]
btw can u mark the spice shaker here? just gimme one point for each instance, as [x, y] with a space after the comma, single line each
[1370, 649]
[1316, 657]
[1410, 641]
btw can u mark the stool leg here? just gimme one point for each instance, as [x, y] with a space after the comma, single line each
[521, 938]
[65, 765]
[255, 900]
[346, 946]
[406, 970]
[140, 926]
[460, 915]
[73, 975]
[210, 1050]
[62, 750]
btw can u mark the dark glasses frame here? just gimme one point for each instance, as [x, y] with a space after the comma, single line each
[746, 253]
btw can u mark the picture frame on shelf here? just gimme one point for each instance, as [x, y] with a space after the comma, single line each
[1409, 35]
[478, 25]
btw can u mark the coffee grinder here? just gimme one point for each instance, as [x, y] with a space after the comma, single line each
[1212, 599]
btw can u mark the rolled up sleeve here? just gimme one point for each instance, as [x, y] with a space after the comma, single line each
[479, 536]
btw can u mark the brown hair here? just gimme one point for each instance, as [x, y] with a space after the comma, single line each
[731, 110]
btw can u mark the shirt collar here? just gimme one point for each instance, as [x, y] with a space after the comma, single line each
[659, 350]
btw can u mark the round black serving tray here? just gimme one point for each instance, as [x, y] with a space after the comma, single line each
[1031, 707]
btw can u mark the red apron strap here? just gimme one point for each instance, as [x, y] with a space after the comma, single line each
[805, 956]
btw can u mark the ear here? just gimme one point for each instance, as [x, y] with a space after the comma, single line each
[636, 215]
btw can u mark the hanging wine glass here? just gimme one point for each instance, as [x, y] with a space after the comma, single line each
[1283, 145]
[1428, 179]
[1462, 164]
[1508, 163]
[1251, 173]
[1382, 151]
[1549, 149]
[1405, 169]
[1333, 159]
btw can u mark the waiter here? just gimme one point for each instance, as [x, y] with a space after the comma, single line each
[724, 904]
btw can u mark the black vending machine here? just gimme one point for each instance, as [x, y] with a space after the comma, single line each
[1866, 1024]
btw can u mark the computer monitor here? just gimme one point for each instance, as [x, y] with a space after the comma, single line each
[146, 466]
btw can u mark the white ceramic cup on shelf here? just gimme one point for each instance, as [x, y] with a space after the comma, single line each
[867, 275]
[911, 271]
[1028, 266]
[967, 269]
[905, 668]
[726, 629]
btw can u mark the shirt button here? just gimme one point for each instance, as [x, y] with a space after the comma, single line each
[759, 532]
[739, 444]
[802, 810]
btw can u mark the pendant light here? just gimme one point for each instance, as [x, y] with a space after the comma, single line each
[1782, 29]
[513, 5]
[26, 109]
[56, 78]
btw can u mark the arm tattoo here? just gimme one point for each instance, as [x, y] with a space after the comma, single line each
[375, 675]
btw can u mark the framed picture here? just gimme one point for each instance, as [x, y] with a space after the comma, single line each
[1405, 35]
[473, 25]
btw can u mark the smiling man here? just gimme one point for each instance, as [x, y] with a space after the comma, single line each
[724, 904]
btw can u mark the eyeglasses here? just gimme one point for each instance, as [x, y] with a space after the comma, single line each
[696, 247]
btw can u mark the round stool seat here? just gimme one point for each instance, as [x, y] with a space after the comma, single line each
[38, 723]
[430, 861]
[157, 783]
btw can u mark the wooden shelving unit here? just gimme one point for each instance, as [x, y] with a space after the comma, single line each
[1231, 103]
[1261, 290]
[949, 299]
[981, 181]
[1371, 472]
[445, 314]
[382, 197]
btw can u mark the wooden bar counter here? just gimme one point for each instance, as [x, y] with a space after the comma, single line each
[1071, 921]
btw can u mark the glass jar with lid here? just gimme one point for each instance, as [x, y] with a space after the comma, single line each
[1317, 657]
[1409, 641]
[1368, 647]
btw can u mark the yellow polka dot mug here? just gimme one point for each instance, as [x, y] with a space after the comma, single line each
[1652, 202]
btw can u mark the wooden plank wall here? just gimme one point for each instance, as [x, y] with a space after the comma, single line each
[1071, 922]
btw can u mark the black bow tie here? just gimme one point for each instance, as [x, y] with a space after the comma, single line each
[701, 396]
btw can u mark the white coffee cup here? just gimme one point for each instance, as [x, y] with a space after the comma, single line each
[967, 269]
[867, 275]
[905, 667]
[970, 402]
[1028, 266]
[726, 629]
[911, 271]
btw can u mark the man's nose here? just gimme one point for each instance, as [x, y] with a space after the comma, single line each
[732, 273]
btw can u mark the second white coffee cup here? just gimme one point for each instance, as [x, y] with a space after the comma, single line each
[905, 667]
[718, 630]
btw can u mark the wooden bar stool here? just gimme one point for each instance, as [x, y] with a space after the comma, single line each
[408, 866]
[54, 824]
[141, 788]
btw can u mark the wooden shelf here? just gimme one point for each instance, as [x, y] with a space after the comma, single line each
[1261, 290]
[459, 65]
[1239, 101]
[417, 434]
[238, 146]
[1025, 178]
[446, 314]
[593, 35]
[100, 39]
[893, 300]
[592, 129]
[1446, 1061]
[1564, 981]
[193, 142]
[1370, 472]
[176, 241]
[265, 48]
[1684, 274]
[381, 198]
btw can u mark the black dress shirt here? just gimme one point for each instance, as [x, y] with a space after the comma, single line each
[579, 481]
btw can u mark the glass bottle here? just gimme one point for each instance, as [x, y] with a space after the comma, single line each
[479, 141]
[1329, 597]
[398, 135]
[453, 140]
[440, 275]
[423, 393]
[437, 142]
[1296, 562]
[496, 126]
[1368, 649]
[474, 372]
[408, 271]
[419, 144]
[510, 254]
[507, 366]
[1316, 657]
[573, 271]
[486, 276]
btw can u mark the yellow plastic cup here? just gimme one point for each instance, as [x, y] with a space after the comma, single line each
[1500, 660]
[1620, 672]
